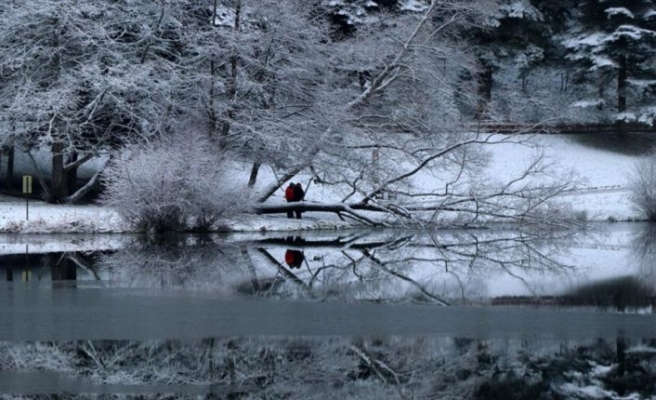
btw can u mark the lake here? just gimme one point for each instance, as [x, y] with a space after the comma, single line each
[493, 313]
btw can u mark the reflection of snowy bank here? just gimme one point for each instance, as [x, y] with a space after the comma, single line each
[437, 267]
[443, 267]
[39, 243]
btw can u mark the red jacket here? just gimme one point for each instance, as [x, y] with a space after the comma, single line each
[289, 193]
[294, 258]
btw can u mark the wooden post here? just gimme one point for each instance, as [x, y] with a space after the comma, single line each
[27, 190]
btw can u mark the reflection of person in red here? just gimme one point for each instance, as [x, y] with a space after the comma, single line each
[294, 258]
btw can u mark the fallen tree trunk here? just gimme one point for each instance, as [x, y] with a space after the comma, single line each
[320, 207]
[341, 209]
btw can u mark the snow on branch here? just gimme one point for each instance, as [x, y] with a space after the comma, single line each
[588, 103]
[521, 10]
[630, 32]
[615, 11]
[584, 41]
[412, 6]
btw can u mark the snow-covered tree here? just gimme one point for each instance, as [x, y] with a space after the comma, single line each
[173, 184]
[257, 73]
[369, 114]
[348, 15]
[80, 78]
[616, 42]
[515, 37]
[387, 135]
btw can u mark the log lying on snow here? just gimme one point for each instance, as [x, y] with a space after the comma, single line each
[341, 209]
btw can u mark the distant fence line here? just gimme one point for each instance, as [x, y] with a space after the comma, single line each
[624, 127]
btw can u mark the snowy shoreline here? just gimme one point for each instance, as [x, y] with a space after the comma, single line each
[71, 219]
[603, 196]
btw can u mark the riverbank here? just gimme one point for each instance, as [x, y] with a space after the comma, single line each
[40, 217]
[604, 195]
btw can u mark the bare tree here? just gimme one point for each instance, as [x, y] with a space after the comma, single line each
[173, 184]
[643, 187]
[257, 70]
[374, 116]
[380, 142]
[81, 79]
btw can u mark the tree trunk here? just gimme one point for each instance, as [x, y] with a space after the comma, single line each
[253, 178]
[8, 150]
[621, 92]
[484, 92]
[232, 80]
[9, 175]
[621, 85]
[59, 183]
[61, 269]
[72, 174]
[81, 192]
[211, 113]
[59, 176]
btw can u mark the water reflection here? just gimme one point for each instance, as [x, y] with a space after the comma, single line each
[378, 367]
[201, 316]
[437, 267]
[608, 269]
[53, 266]
[38, 258]
[644, 250]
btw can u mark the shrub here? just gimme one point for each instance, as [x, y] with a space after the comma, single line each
[643, 187]
[173, 185]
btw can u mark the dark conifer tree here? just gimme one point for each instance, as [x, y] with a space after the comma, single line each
[616, 40]
[517, 33]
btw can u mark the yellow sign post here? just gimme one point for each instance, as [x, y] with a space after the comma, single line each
[27, 190]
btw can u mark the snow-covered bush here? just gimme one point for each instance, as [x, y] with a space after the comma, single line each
[176, 184]
[643, 187]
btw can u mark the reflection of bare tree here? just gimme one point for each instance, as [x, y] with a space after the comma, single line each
[176, 261]
[403, 277]
[285, 272]
[80, 261]
[644, 252]
[62, 267]
[432, 266]
[428, 266]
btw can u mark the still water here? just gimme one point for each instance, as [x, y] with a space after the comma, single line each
[365, 314]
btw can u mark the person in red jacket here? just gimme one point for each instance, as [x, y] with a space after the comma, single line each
[290, 195]
[294, 193]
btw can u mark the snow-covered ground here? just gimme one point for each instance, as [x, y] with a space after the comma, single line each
[604, 195]
[605, 174]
